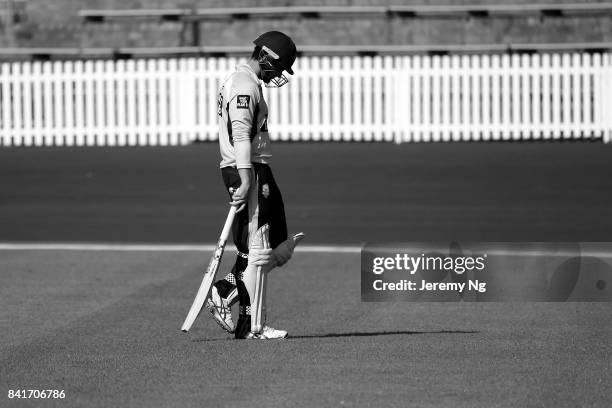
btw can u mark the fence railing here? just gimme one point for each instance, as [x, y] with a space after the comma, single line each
[392, 98]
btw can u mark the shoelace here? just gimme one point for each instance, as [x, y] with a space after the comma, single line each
[221, 309]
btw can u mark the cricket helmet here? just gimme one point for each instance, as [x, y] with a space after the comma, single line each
[278, 53]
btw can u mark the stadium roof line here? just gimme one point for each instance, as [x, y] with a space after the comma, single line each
[422, 11]
[12, 54]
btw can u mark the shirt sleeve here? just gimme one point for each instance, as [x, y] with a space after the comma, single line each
[244, 98]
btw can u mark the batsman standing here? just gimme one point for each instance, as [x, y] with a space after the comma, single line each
[260, 228]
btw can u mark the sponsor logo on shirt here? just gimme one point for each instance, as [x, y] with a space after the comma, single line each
[242, 101]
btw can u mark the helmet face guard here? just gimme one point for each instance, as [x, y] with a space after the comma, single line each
[271, 70]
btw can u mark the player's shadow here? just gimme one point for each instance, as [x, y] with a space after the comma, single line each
[382, 333]
[362, 334]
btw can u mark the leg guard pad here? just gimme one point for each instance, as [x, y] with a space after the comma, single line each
[255, 276]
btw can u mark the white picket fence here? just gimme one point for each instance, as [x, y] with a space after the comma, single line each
[392, 98]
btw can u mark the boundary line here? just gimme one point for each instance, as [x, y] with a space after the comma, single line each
[594, 250]
[125, 247]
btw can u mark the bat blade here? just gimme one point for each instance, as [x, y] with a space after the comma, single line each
[204, 290]
[210, 274]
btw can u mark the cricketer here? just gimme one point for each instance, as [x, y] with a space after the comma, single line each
[260, 228]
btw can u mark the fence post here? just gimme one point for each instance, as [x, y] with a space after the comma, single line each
[5, 126]
[607, 100]
[186, 100]
[400, 78]
[599, 95]
[347, 125]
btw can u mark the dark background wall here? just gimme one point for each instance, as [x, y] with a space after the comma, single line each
[55, 23]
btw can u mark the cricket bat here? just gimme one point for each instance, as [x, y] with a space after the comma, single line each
[210, 274]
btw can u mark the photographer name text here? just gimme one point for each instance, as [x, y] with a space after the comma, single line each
[425, 286]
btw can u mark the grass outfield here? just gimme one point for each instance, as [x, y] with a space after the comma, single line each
[337, 192]
[104, 327]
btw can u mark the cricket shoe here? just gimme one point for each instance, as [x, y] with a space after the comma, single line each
[268, 333]
[220, 310]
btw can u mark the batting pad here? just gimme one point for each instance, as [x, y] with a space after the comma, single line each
[255, 276]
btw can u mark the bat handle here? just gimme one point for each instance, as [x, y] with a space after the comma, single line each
[228, 224]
